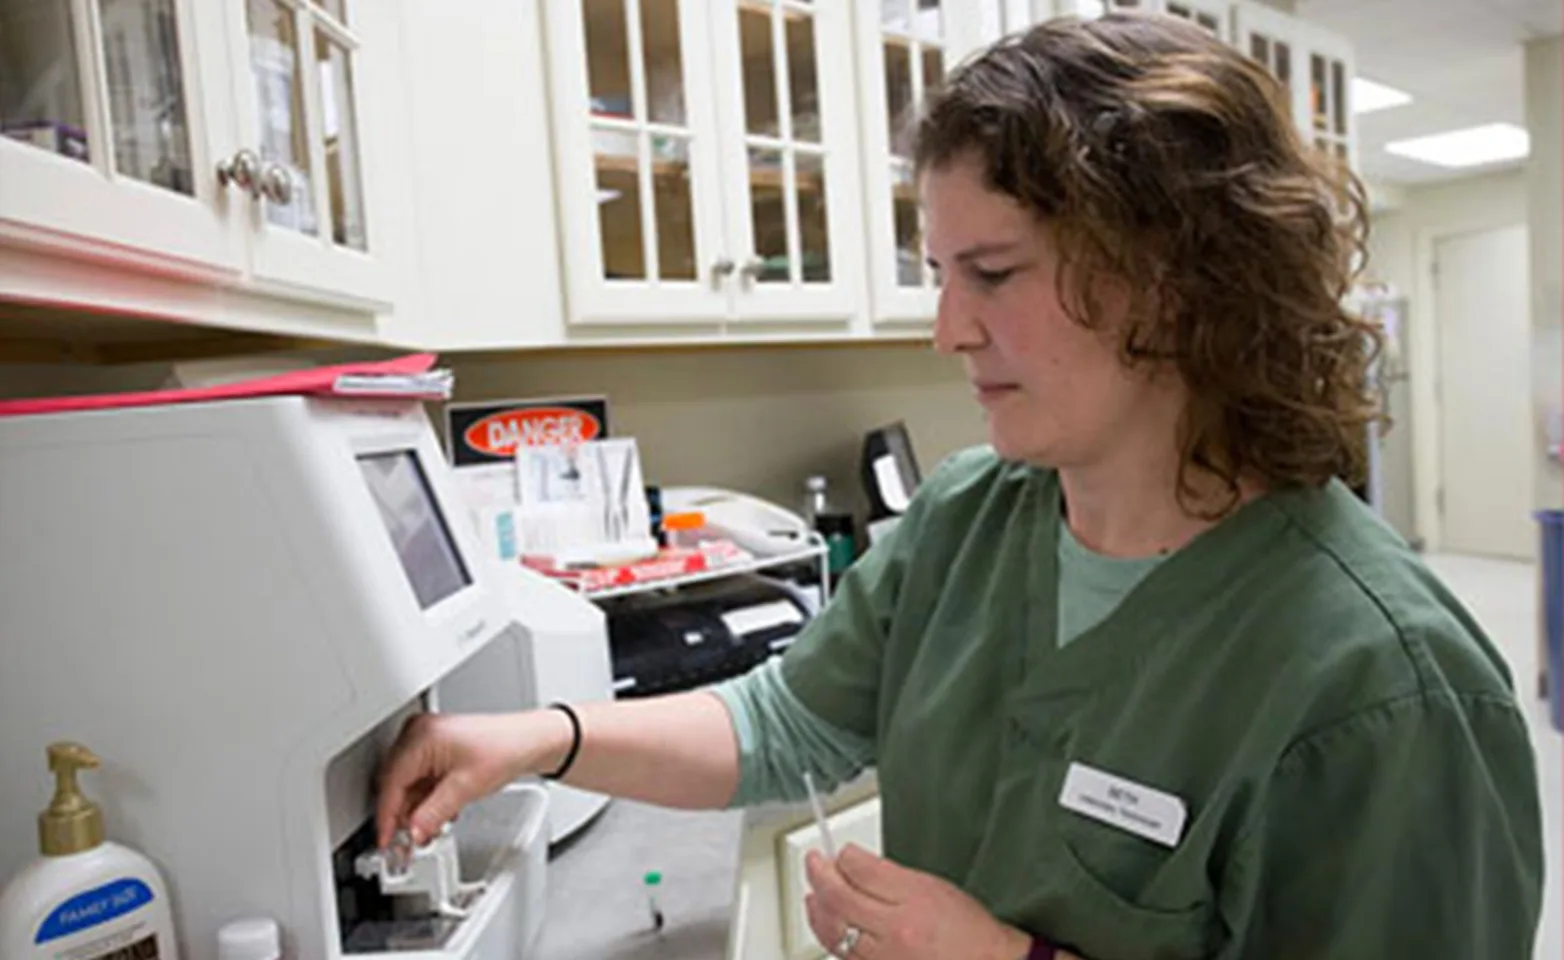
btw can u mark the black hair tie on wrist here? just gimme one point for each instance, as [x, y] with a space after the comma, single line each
[575, 743]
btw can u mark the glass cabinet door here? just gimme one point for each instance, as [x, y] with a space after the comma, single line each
[301, 162]
[1212, 16]
[640, 141]
[1330, 114]
[42, 93]
[905, 64]
[786, 174]
[1271, 39]
[635, 140]
[41, 97]
[301, 58]
[148, 122]
[790, 145]
[96, 126]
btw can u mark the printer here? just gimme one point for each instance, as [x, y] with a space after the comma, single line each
[696, 635]
[237, 605]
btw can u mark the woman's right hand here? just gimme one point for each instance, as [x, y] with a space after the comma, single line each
[441, 763]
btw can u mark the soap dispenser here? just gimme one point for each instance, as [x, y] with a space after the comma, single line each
[85, 898]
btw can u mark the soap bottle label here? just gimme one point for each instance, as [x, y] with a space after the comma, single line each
[143, 949]
[94, 908]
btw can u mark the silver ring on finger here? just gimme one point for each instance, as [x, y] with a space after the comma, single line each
[848, 943]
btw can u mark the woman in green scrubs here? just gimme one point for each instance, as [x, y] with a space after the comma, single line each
[1140, 678]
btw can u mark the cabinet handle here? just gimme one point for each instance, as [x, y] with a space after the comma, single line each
[752, 269]
[277, 184]
[722, 268]
[241, 170]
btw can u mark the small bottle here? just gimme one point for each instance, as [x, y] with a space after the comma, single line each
[685, 530]
[815, 499]
[251, 938]
[654, 515]
[833, 523]
[84, 890]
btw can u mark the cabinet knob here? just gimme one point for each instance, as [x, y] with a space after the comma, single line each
[752, 269]
[722, 268]
[241, 170]
[277, 184]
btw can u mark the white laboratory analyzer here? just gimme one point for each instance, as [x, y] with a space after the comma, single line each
[236, 606]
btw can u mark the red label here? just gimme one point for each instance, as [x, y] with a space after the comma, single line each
[499, 434]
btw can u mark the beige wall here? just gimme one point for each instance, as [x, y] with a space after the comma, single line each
[758, 420]
[755, 420]
[1545, 186]
[1401, 253]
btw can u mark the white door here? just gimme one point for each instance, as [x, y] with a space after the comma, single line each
[1482, 314]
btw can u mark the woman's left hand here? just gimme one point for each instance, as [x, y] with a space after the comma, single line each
[900, 914]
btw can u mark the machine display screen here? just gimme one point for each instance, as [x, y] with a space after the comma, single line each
[418, 531]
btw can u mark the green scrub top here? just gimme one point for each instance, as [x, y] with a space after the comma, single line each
[1339, 739]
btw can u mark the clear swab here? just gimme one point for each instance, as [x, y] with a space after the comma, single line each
[820, 821]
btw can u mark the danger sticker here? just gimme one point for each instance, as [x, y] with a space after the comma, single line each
[491, 433]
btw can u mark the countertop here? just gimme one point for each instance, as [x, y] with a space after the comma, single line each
[597, 906]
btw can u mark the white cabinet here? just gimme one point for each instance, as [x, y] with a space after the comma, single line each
[1314, 66]
[1215, 16]
[1330, 124]
[215, 140]
[707, 159]
[476, 134]
[905, 48]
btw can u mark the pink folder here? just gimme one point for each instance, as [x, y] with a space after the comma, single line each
[348, 379]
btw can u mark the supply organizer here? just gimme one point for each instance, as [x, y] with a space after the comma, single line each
[695, 616]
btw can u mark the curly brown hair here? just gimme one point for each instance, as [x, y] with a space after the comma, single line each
[1160, 156]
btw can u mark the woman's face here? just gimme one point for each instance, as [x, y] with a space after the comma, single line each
[1054, 392]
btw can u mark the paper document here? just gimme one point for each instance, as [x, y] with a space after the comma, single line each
[434, 383]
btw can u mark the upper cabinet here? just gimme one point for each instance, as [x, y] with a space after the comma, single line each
[1329, 117]
[504, 174]
[221, 140]
[1213, 16]
[707, 163]
[1314, 66]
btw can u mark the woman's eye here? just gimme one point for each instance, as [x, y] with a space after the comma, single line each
[993, 278]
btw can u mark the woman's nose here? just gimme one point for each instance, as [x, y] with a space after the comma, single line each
[956, 327]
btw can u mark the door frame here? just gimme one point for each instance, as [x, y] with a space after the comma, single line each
[1424, 367]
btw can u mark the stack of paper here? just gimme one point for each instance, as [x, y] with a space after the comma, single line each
[433, 384]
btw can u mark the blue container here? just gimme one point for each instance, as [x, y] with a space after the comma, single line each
[1551, 523]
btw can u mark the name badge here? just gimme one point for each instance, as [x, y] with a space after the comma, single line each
[1121, 803]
